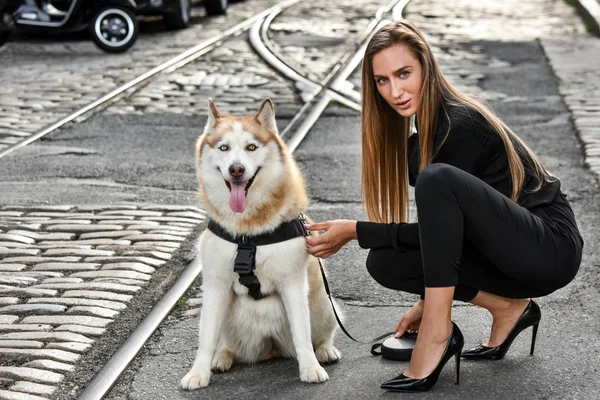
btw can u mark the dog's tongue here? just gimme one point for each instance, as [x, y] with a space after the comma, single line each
[237, 202]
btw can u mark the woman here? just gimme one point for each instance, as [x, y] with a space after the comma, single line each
[494, 227]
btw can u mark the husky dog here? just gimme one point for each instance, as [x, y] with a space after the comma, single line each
[250, 185]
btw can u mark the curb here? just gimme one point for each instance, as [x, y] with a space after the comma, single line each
[590, 12]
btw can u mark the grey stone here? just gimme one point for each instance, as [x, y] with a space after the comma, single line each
[87, 243]
[49, 364]
[44, 236]
[84, 228]
[27, 292]
[21, 344]
[97, 294]
[144, 253]
[66, 266]
[33, 309]
[113, 305]
[124, 281]
[62, 280]
[46, 336]
[93, 311]
[78, 252]
[102, 207]
[24, 327]
[84, 330]
[8, 319]
[108, 234]
[139, 267]
[16, 238]
[135, 213]
[173, 219]
[30, 374]
[5, 301]
[19, 252]
[67, 319]
[145, 260]
[113, 274]
[147, 237]
[10, 395]
[30, 354]
[16, 280]
[33, 388]
[90, 285]
[33, 260]
[69, 346]
[12, 267]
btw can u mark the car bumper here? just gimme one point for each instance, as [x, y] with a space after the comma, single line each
[156, 7]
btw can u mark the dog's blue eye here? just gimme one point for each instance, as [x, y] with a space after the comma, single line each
[251, 147]
[224, 147]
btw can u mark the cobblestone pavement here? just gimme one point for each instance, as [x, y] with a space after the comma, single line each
[42, 81]
[65, 273]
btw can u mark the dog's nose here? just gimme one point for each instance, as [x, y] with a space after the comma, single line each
[236, 170]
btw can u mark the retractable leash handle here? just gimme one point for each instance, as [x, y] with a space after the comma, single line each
[375, 346]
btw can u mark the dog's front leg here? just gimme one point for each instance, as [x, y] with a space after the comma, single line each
[215, 301]
[295, 301]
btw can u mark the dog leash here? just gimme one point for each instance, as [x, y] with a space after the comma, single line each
[339, 321]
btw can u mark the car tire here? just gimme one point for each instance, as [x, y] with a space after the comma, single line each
[181, 18]
[216, 7]
[118, 37]
[4, 37]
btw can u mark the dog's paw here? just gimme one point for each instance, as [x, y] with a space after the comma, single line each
[327, 353]
[315, 374]
[222, 361]
[195, 379]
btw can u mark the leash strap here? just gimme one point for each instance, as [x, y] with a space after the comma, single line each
[375, 346]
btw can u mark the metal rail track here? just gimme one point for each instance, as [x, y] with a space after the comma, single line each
[319, 95]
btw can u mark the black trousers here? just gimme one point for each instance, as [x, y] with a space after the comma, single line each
[475, 238]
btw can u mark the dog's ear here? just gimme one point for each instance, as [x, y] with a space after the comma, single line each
[266, 115]
[213, 115]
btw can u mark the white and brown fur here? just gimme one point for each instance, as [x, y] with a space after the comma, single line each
[296, 319]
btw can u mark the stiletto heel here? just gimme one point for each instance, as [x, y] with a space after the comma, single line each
[403, 383]
[533, 335]
[457, 369]
[530, 317]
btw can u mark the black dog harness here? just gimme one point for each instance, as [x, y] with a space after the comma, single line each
[245, 261]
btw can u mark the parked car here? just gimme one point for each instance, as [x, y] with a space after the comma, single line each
[112, 24]
[7, 8]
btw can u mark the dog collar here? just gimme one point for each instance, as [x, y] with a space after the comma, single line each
[245, 261]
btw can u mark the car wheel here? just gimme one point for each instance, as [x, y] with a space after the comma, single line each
[215, 7]
[114, 29]
[181, 18]
[4, 38]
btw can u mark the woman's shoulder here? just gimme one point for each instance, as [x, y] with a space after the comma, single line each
[467, 123]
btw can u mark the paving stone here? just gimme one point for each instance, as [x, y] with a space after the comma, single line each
[12, 267]
[164, 238]
[67, 319]
[10, 213]
[113, 274]
[108, 234]
[124, 281]
[90, 285]
[19, 252]
[194, 301]
[30, 354]
[30, 374]
[171, 228]
[46, 336]
[56, 222]
[144, 225]
[77, 252]
[15, 245]
[93, 311]
[113, 305]
[16, 238]
[43, 236]
[33, 309]
[173, 219]
[135, 213]
[183, 233]
[10, 395]
[33, 260]
[8, 319]
[60, 214]
[84, 330]
[4, 301]
[69, 346]
[159, 245]
[66, 266]
[51, 365]
[17, 280]
[84, 228]
[33, 388]
[187, 214]
[24, 327]
[62, 280]
[97, 294]
[26, 292]
[144, 253]
[102, 207]
[139, 267]
[86, 243]
[21, 344]
[183, 224]
[41, 208]
[146, 260]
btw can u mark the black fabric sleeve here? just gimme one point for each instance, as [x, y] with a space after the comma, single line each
[399, 236]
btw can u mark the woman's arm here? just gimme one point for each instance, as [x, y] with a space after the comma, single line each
[399, 236]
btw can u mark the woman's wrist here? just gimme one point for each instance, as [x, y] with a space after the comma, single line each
[352, 230]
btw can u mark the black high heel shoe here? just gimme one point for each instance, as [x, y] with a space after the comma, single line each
[403, 383]
[530, 317]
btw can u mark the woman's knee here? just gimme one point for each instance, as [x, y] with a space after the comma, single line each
[377, 266]
[433, 179]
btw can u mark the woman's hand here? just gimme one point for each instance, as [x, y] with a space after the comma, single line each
[337, 234]
[411, 320]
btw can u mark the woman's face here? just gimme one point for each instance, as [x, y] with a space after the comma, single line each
[397, 74]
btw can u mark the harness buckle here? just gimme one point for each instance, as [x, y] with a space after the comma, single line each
[245, 261]
[303, 221]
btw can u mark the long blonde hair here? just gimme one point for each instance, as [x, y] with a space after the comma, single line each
[385, 133]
